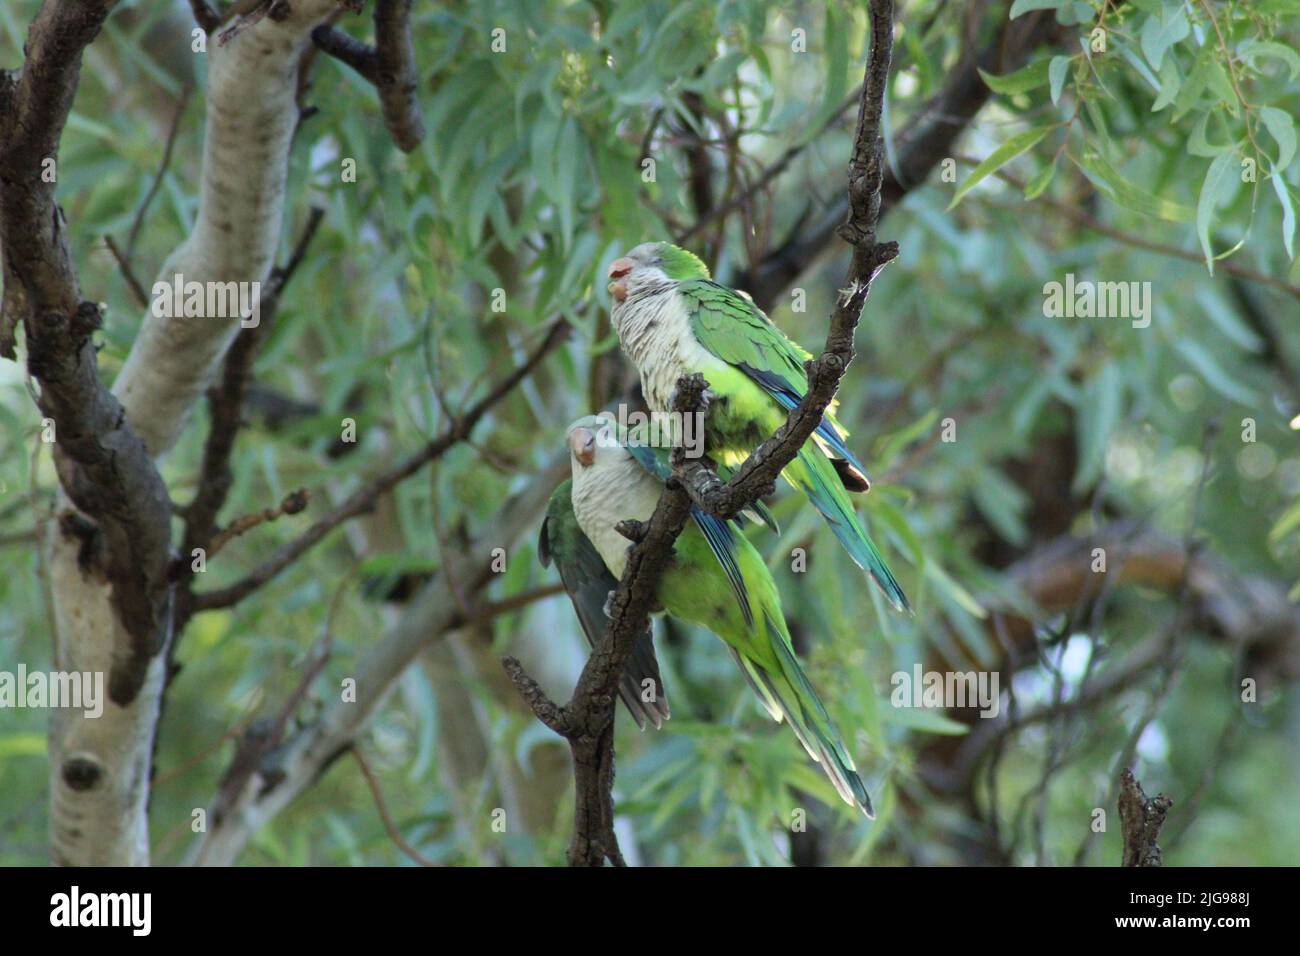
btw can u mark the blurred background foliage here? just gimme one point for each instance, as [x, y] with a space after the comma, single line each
[1126, 164]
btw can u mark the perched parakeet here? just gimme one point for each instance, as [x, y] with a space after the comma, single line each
[715, 578]
[589, 583]
[673, 320]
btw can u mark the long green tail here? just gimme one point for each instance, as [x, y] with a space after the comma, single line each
[814, 475]
[788, 694]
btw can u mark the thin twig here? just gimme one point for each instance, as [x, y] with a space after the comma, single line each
[389, 65]
[778, 166]
[294, 502]
[364, 499]
[226, 403]
[138, 221]
[382, 807]
[124, 263]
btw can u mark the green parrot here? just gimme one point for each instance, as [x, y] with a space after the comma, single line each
[715, 579]
[588, 583]
[673, 320]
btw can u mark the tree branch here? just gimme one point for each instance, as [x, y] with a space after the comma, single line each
[347, 49]
[389, 65]
[38, 270]
[172, 132]
[587, 720]
[103, 466]
[397, 77]
[1141, 818]
[205, 15]
[1077, 214]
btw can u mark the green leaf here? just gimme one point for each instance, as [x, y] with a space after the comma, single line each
[1221, 85]
[924, 720]
[891, 445]
[1289, 521]
[1098, 410]
[1226, 319]
[883, 510]
[1028, 6]
[1170, 83]
[1057, 72]
[1003, 503]
[22, 745]
[1001, 156]
[963, 598]
[1219, 183]
[1162, 32]
[1212, 372]
[1253, 50]
[1029, 78]
[1195, 83]
[571, 150]
[1198, 144]
[1118, 188]
[1288, 213]
[1281, 126]
[1042, 179]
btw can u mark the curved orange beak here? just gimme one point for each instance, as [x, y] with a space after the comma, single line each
[621, 267]
[582, 443]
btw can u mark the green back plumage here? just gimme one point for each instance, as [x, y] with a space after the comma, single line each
[736, 331]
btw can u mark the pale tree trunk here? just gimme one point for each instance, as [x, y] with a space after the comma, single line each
[99, 768]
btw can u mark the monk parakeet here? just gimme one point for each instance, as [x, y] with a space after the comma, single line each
[589, 583]
[715, 578]
[673, 320]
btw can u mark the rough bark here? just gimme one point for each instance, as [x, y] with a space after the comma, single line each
[1141, 818]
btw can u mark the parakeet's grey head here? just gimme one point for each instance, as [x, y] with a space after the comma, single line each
[594, 443]
[609, 484]
[652, 263]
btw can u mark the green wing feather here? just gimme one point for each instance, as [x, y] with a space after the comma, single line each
[712, 558]
[736, 331]
[588, 583]
[732, 328]
[762, 648]
[719, 534]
